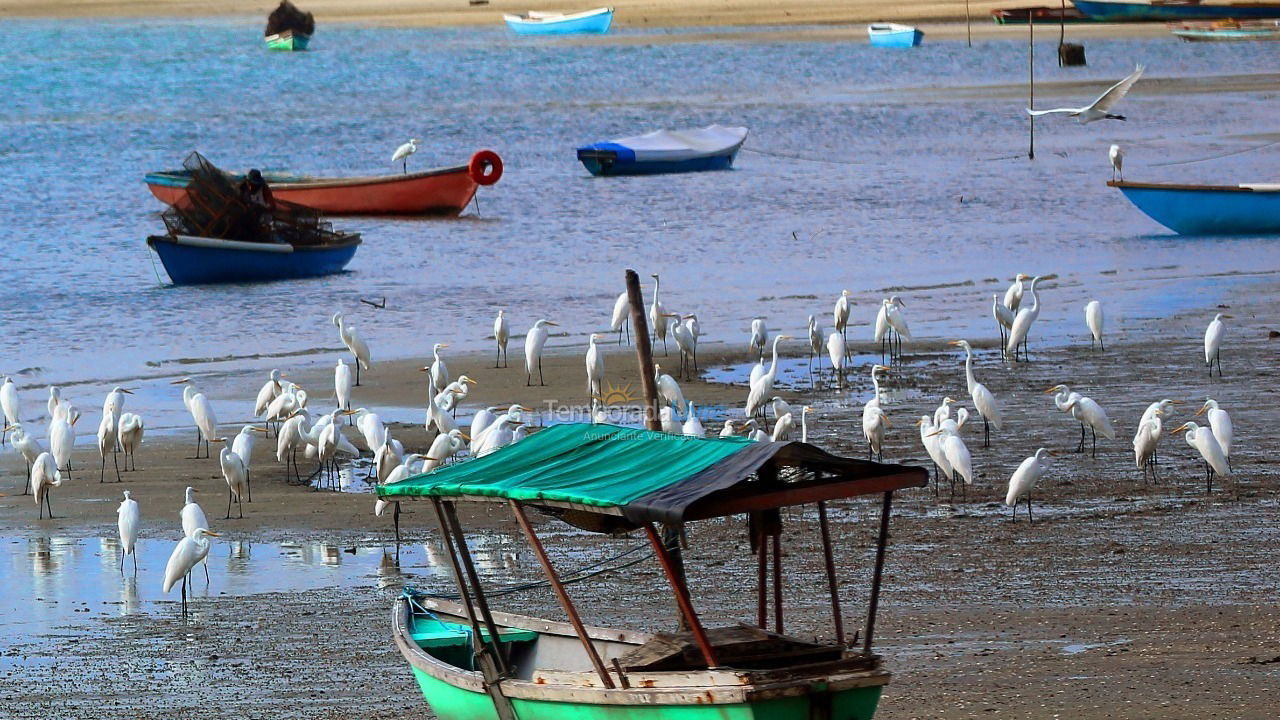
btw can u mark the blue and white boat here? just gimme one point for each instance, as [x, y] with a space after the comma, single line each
[1174, 10]
[665, 151]
[1251, 209]
[893, 35]
[557, 23]
[200, 260]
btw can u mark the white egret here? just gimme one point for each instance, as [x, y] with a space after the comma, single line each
[534, 341]
[1203, 440]
[201, 413]
[1022, 322]
[874, 419]
[1093, 318]
[1024, 480]
[759, 336]
[356, 344]
[984, 401]
[1101, 108]
[836, 353]
[1013, 296]
[439, 417]
[729, 429]
[595, 367]
[1220, 424]
[816, 343]
[242, 446]
[371, 428]
[402, 153]
[621, 318]
[956, 453]
[783, 427]
[686, 345]
[113, 406]
[1116, 155]
[128, 523]
[292, 397]
[269, 391]
[9, 405]
[500, 434]
[804, 423]
[896, 321]
[484, 418]
[501, 334]
[439, 370]
[669, 392]
[779, 406]
[329, 444]
[1145, 442]
[44, 475]
[762, 388]
[1085, 410]
[291, 436]
[692, 426]
[1213, 343]
[107, 438]
[62, 437]
[342, 384]
[27, 445]
[658, 316]
[385, 459]
[757, 372]
[189, 552]
[754, 432]
[667, 418]
[454, 393]
[695, 328]
[444, 447]
[933, 446]
[840, 314]
[1004, 319]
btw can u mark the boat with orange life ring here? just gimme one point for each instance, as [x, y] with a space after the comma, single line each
[441, 191]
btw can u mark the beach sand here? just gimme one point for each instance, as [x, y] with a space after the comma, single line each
[1122, 600]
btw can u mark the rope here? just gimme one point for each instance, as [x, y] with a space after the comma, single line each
[151, 256]
[1218, 157]
[569, 578]
[790, 156]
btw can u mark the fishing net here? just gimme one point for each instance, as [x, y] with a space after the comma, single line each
[288, 17]
[214, 208]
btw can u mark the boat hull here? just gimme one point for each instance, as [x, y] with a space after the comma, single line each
[202, 261]
[600, 164]
[898, 39]
[1207, 209]
[288, 41]
[445, 191]
[598, 23]
[1236, 35]
[1136, 12]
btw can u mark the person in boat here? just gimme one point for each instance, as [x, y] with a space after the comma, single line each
[254, 191]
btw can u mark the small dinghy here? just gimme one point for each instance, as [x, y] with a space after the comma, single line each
[893, 35]
[558, 23]
[193, 260]
[289, 28]
[665, 151]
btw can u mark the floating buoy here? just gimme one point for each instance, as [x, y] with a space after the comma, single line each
[485, 167]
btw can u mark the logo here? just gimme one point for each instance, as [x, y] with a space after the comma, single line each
[614, 395]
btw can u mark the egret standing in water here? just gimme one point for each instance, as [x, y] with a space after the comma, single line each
[1213, 343]
[816, 341]
[402, 153]
[1013, 296]
[534, 342]
[190, 551]
[836, 353]
[762, 389]
[1024, 480]
[9, 406]
[759, 336]
[1093, 318]
[983, 399]
[1022, 322]
[236, 475]
[501, 334]
[128, 522]
[44, 475]
[28, 446]
[1004, 320]
[840, 315]
[62, 436]
[107, 438]
[356, 344]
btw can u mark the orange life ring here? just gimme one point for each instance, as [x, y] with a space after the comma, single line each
[485, 167]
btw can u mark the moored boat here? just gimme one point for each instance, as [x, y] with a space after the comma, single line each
[288, 40]
[665, 151]
[558, 23]
[1174, 10]
[893, 35]
[1247, 209]
[472, 663]
[192, 260]
[442, 191]
[289, 28]
[1041, 14]
[1227, 31]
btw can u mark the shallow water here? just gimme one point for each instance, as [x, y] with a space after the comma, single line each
[914, 196]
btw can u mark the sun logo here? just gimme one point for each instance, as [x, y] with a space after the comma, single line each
[613, 395]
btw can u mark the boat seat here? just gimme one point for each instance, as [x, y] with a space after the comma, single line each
[739, 646]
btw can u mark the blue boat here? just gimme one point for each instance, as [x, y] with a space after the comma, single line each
[893, 35]
[1158, 10]
[198, 260]
[665, 151]
[555, 23]
[1208, 209]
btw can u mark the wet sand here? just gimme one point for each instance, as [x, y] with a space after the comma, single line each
[1121, 600]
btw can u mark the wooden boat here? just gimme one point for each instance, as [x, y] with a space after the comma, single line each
[472, 663]
[1042, 14]
[200, 260]
[665, 151]
[442, 191]
[893, 35]
[1252, 209]
[288, 40]
[558, 23]
[1174, 10]
[1227, 31]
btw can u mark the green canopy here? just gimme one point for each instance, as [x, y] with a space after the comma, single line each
[645, 475]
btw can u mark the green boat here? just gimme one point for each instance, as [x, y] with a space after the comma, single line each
[473, 663]
[288, 40]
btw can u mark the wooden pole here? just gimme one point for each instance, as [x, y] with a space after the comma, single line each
[881, 543]
[968, 26]
[561, 595]
[644, 352]
[829, 561]
[762, 579]
[1031, 82]
[1062, 29]
[776, 541]
[682, 597]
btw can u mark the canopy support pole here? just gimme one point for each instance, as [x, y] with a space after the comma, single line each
[451, 514]
[561, 595]
[762, 582]
[776, 541]
[829, 561]
[682, 597]
[881, 543]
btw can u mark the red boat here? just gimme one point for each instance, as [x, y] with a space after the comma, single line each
[442, 191]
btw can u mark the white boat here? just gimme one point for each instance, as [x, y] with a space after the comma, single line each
[665, 151]
[558, 23]
[893, 35]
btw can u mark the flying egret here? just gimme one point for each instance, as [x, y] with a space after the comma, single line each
[595, 367]
[1024, 480]
[1116, 155]
[27, 445]
[692, 426]
[1086, 411]
[840, 314]
[1093, 318]
[107, 438]
[402, 153]
[621, 318]
[242, 446]
[44, 475]
[1101, 108]
[1213, 343]
[439, 370]
[874, 420]
[836, 353]
[127, 522]
[501, 334]
[686, 345]
[534, 341]
[356, 344]
[187, 553]
[1004, 319]
[1203, 440]
[762, 389]
[201, 412]
[9, 405]
[658, 316]
[62, 437]
[983, 399]
[269, 391]
[669, 392]
[1220, 424]
[759, 336]
[1145, 442]
[1022, 323]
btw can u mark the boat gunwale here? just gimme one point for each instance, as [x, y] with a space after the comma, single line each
[553, 19]
[345, 241]
[319, 183]
[1125, 184]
